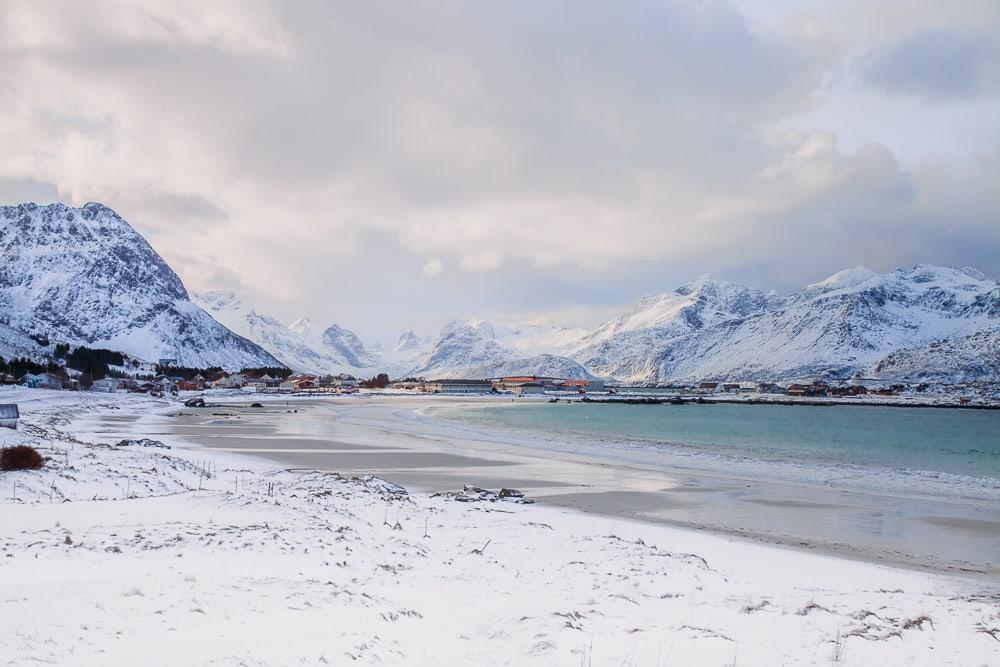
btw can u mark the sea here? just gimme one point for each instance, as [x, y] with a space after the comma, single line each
[931, 452]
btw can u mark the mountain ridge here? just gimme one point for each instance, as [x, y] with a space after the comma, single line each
[84, 276]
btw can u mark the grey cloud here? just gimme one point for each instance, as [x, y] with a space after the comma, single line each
[597, 149]
[937, 65]
[182, 209]
[17, 190]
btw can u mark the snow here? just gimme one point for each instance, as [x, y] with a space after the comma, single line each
[927, 322]
[298, 345]
[465, 350]
[85, 277]
[854, 322]
[846, 279]
[114, 555]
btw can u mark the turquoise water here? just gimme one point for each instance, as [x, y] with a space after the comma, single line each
[870, 445]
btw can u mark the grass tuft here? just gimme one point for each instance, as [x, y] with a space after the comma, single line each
[20, 457]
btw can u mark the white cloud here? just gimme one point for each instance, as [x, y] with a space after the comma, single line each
[432, 268]
[263, 145]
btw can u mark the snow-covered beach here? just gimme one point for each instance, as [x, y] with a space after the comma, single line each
[118, 555]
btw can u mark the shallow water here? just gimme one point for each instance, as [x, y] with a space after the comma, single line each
[801, 495]
[935, 452]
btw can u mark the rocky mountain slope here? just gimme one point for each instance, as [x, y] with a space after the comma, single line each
[299, 345]
[628, 347]
[471, 350]
[84, 276]
[928, 321]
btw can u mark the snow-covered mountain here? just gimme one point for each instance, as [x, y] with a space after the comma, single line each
[465, 349]
[84, 276]
[928, 321]
[298, 345]
[628, 347]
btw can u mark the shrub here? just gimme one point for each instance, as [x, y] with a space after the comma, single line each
[20, 457]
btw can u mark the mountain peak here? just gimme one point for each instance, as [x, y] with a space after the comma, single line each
[845, 279]
[407, 341]
[302, 326]
[84, 276]
[218, 300]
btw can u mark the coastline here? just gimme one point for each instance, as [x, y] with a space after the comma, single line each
[271, 566]
[820, 402]
[428, 454]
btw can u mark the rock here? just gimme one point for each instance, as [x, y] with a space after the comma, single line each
[256, 405]
[142, 442]
[474, 494]
[197, 402]
[383, 486]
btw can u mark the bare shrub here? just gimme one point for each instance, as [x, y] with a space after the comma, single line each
[20, 457]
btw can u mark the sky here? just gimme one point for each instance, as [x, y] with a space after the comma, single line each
[391, 166]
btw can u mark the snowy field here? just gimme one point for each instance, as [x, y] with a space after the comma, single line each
[144, 555]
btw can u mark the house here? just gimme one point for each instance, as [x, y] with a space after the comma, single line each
[530, 388]
[294, 383]
[257, 384]
[769, 388]
[40, 381]
[796, 389]
[165, 385]
[820, 388]
[106, 385]
[731, 388]
[513, 382]
[708, 386]
[236, 381]
[581, 386]
[344, 380]
[9, 415]
[7, 378]
[458, 387]
[190, 385]
[405, 384]
[219, 381]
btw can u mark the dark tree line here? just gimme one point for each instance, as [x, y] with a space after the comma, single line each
[380, 381]
[18, 367]
[189, 372]
[274, 371]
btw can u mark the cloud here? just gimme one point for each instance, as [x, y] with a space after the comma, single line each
[600, 148]
[432, 268]
[936, 65]
[26, 190]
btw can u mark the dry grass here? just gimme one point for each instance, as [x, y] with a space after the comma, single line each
[21, 457]
[918, 622]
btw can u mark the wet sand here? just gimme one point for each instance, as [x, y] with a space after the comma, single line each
[387, 438]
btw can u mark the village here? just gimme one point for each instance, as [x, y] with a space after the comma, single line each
[164, 378]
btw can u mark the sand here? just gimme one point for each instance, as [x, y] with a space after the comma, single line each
[134, 555]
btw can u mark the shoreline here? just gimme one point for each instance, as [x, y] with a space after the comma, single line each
[675, 497]
[250, 563]
[819, 402]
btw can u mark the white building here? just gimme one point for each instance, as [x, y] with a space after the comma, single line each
[458, 387]
[106, 385]
[345, 381]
